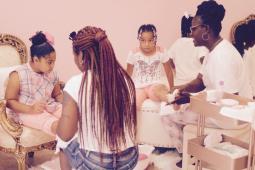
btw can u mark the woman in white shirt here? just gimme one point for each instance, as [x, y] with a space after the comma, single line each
[223, 63]
[99, 104]
[222, 68]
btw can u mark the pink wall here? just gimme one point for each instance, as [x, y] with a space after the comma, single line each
[120, 18]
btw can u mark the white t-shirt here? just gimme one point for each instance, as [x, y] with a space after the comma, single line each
[224, 63]
[72, 88]
[249, 61]
[147, 69]
[186, 58]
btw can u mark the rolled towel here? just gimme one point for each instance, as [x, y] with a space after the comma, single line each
[213, 139]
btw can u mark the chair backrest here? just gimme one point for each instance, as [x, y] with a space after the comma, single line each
[13, 51]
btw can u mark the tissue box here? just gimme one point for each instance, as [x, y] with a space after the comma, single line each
[199, 104]
[214, 159]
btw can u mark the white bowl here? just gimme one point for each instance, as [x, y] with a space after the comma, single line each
[229, 102]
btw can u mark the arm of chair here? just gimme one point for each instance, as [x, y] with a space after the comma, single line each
[13, 128]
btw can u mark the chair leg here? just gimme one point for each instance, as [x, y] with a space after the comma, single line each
[21, 160]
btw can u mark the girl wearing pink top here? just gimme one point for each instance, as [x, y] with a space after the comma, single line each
[33, 91]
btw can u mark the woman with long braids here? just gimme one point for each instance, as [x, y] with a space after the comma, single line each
[100, 105]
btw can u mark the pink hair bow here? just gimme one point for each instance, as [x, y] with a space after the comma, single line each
[49, 38]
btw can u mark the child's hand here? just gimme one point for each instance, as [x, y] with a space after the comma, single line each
[38, 107]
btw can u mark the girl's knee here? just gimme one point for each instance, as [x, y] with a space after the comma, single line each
[158, 92]
[159, 87]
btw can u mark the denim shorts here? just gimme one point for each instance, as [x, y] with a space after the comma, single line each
[81, 159]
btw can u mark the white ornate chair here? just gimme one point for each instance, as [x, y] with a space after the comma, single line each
[16, 138]
[150, 127]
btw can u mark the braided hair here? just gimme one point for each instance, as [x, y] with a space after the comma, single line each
[147, 28]
[111, 93]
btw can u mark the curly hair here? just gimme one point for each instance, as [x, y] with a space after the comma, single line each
[211, 14]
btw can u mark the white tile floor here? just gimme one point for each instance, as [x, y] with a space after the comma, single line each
[46, 160]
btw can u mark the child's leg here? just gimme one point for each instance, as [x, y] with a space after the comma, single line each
[140, 97]
[44, 121]
[158, 92]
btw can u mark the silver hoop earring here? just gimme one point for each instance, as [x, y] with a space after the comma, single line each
[205, 37]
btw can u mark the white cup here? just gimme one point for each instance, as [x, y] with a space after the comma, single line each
[251, 104]
[212, 95]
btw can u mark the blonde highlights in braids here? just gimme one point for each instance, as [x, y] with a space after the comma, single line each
[111, 94]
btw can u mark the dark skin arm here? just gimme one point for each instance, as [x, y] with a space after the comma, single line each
[194, 86]
[69, 118]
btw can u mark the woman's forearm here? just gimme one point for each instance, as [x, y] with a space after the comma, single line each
[69, 118]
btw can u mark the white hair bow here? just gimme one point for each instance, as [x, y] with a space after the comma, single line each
[186, 14]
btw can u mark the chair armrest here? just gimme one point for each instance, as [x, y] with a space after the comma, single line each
[10, 126]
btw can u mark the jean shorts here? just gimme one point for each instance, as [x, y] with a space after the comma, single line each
[81, 159]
